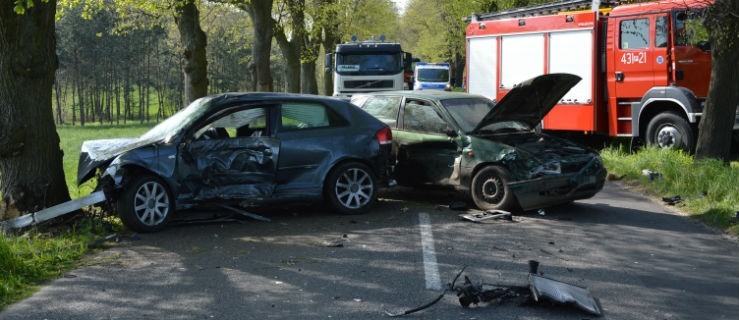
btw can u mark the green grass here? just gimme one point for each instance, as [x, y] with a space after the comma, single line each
[71, 138]
[31, 259]
[708, 187]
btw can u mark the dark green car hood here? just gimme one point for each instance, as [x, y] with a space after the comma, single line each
[531, 100]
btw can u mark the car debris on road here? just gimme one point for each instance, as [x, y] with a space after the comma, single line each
[539, 290]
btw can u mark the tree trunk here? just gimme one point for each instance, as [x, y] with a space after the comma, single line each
[195, 67]
[329, 42]
[291, 52]
[260, 12]
[308, 82]
[30, 158]
[714, 134]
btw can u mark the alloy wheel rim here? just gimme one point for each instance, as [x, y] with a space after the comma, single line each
[151, 203]
[354, 188]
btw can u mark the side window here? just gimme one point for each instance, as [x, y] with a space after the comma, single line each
[660, 33]
[300, 116]
[634, 34]
[242, 123]
[689, 29]
[421, 116]
[383, 108]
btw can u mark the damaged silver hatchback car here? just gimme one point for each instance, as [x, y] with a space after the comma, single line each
[248, 149]
[491, 151]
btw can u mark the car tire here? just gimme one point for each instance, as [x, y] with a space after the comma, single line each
[490, 189]
[146, 204]
[670, 130]
[351, 188]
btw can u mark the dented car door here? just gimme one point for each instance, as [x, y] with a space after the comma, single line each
[231, 157]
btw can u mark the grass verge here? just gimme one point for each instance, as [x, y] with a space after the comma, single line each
[36, 256]
[708, 189]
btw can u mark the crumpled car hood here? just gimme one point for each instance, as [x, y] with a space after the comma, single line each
[531, 100]
[95, 153]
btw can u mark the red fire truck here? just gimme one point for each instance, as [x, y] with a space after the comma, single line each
[645, 67]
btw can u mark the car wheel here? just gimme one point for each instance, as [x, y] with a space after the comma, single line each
[351, 188]
[146, 204]
[669, 130]
[490, 189]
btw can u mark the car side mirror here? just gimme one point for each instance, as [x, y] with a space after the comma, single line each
[451, 133]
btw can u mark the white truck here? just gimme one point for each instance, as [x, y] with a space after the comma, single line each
[368, 66]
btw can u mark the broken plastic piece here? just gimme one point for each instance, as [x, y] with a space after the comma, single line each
[490, 214]
[651, 174]
[563, 293]
[672, 201]
[541, 212]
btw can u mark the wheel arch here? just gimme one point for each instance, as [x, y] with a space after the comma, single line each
[341, 162]
[679, 100]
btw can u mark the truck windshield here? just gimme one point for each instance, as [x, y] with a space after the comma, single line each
[433, 75]
[368, 63]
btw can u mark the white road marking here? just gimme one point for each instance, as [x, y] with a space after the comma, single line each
[430, 267]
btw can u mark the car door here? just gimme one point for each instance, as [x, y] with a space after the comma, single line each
[425, 154]
[312, 136]
[231, 155]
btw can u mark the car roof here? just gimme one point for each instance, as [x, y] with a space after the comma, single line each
[260, 96]
[437, 95]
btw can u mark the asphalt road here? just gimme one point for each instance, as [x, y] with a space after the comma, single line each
[639, 259]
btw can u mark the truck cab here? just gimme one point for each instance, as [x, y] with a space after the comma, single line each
[658, 70]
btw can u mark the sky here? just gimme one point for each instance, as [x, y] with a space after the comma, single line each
[401, 4]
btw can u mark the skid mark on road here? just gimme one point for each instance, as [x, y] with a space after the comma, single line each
[430, 267]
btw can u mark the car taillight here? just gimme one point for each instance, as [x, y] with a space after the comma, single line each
[384, 136]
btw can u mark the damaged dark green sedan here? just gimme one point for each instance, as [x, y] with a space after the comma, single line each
[491, 151]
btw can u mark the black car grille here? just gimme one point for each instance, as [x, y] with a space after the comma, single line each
[368, 84]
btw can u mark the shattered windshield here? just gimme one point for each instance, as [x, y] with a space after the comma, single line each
[174, 124]
[467, 112]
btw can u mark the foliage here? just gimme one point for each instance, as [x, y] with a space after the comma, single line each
[34, 257]
[708, 187]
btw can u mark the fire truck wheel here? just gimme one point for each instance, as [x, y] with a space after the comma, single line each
[670, 130]
[490, 189]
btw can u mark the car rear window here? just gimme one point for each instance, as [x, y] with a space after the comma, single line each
[384, 108]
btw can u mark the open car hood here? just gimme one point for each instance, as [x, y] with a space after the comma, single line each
[95, 153]
[531, 100]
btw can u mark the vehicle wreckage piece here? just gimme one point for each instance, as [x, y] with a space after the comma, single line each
[539, 289]
[53, 212]
[486, 215]
[544, 288]
[245, 213]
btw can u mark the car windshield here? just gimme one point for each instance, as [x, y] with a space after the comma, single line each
[433, 75]
[468, 112]
[174, 124]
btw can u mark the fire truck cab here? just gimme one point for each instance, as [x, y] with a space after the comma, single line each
[645, 67]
